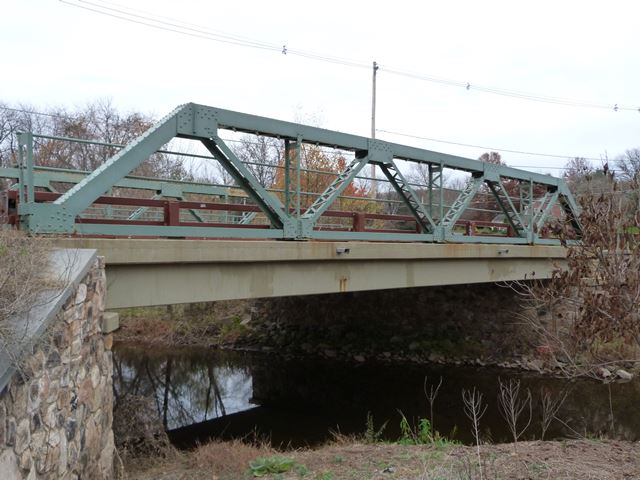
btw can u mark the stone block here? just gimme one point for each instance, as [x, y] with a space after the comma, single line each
[10, 436]
[26, 460]
[108, 341]
[110, 322]
[81, 294]
[23, 435]
[3, 424]
[9, 464]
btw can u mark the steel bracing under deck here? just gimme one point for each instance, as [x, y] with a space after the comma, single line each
[62, 213]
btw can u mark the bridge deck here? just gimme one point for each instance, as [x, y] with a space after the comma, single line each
[144, 272]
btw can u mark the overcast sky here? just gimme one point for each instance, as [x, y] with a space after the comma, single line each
[55, 53]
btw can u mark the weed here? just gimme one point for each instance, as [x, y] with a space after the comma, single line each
[301, 470]
[324, 476]
[371, 435]
[267, 465]
[422, 434]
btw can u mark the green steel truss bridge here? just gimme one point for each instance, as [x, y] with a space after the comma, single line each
[497, 205]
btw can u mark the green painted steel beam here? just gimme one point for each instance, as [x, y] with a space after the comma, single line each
[43, 176]
[176, 231]
[331, 193]
[236, 121]
[122, 163]
[203, 123]
[270, 205]
[408, 196]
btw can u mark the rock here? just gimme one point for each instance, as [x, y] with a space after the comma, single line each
[359, 358]
[603, 372]
[81, 294]
[414, 346]
[26, 461]
[624, 375]
[23, 436]
[330, 353]
[534, 365]
[9, 465]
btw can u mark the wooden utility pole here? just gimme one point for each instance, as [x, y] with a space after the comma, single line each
[374, 183]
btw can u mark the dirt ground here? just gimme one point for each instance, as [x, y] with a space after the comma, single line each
[570, 459]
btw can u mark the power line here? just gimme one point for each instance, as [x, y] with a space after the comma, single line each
[31, 112]
[152, 20]
[521, 152]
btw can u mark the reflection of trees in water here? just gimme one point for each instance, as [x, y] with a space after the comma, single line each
[186, 388]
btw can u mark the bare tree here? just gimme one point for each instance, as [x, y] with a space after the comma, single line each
[261, 155]
[99, 120]
[628, 167]
[474, 410]
[512, 406]
[431, 395]
[549, 407]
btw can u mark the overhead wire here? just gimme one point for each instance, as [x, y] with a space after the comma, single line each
[521, 152]
[146, 18]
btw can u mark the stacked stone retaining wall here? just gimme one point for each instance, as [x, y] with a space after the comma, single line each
[56, 412]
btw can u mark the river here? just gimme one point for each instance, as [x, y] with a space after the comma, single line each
[203, 393]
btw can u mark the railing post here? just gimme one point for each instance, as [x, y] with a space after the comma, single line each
[359, 220]
[172, 213]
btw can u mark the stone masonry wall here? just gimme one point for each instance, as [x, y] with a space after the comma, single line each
[473, 324]
[56, 413]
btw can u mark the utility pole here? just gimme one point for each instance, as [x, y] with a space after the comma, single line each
[374, 183]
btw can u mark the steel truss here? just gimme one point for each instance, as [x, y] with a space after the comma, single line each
[287, 220]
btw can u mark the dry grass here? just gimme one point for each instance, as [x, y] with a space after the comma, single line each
[24, 264]
[575, 459]
[201, 324]
[215, 460]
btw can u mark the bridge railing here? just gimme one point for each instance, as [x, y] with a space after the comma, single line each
[497, 204]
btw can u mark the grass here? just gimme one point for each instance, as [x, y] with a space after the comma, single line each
[204, 324]
[571, 459]
[263, 466]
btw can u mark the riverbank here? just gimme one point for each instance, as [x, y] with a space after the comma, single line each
[348, 459]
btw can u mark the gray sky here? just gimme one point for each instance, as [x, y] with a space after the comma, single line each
[59, 54]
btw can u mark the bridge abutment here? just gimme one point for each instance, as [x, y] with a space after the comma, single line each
[470, 323]
[56, 409]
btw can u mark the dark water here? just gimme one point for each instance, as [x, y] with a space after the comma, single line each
[203, 393]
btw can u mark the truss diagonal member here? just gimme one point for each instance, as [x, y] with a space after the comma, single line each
[333, 191]
[408, 196]
[247, 218]
[142, 210]
[545, 209]
[247, 181]
[461, 203]
[84, 193]
[512, 216]
[570, 207]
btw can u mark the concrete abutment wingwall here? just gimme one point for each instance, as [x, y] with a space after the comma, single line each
[56, 410]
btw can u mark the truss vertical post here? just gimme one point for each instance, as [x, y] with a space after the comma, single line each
[298, 173]
[530, 229]
[287, 179]
[435, 174]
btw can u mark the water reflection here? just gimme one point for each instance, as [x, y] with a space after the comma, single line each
[188, 385]
[201, 393]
